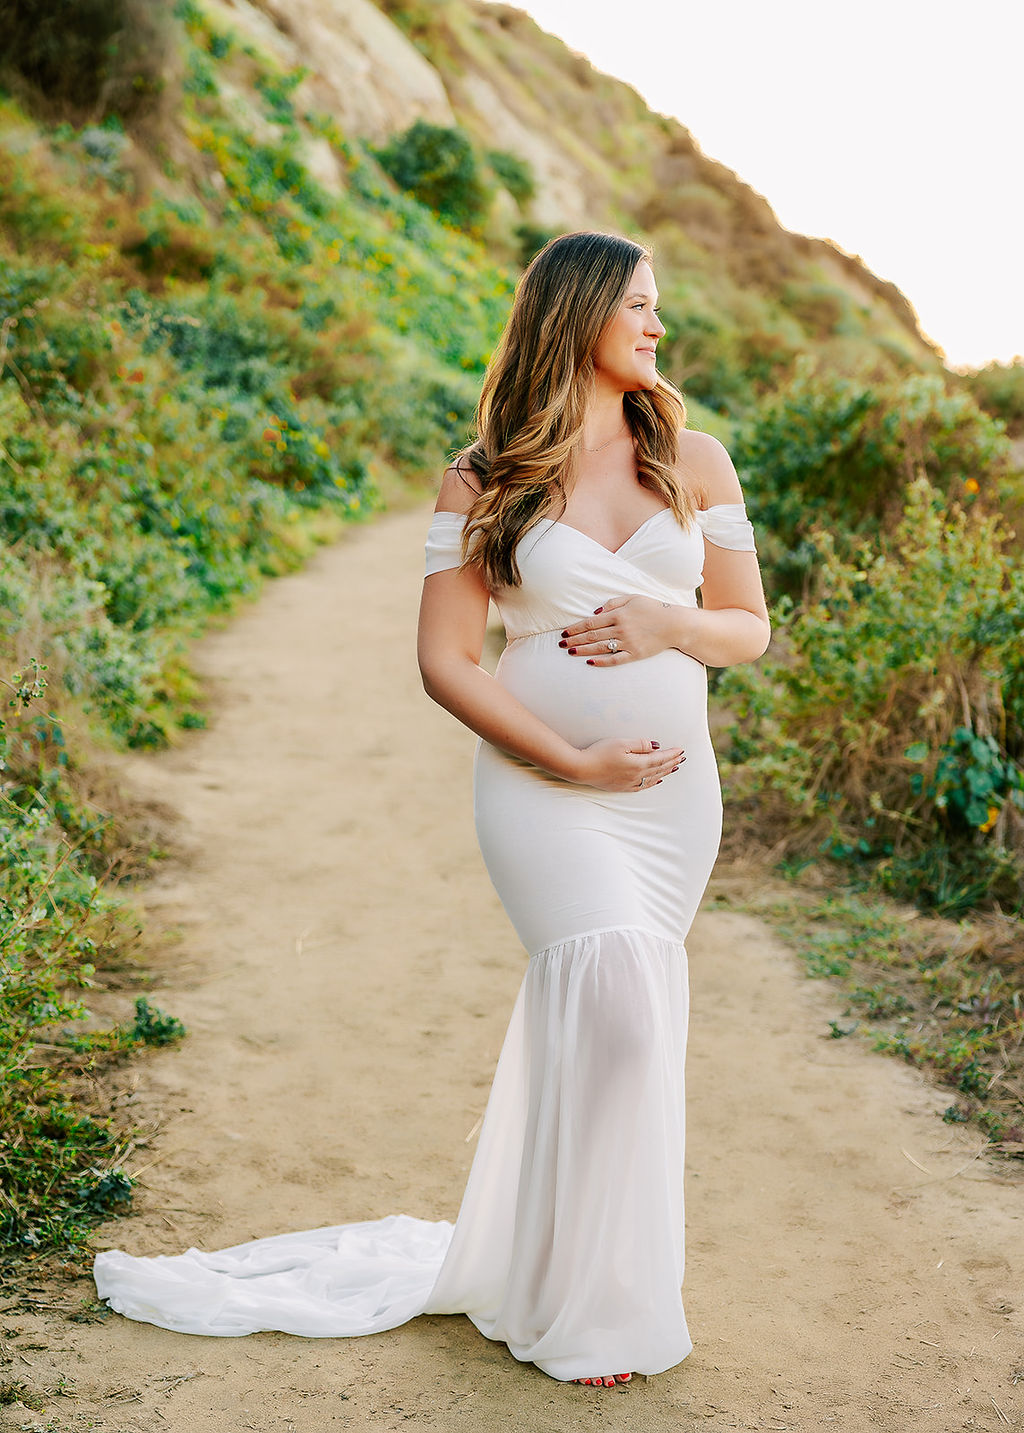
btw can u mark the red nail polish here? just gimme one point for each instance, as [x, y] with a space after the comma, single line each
[563, 644]
[590, 661]
[565, 634]
[572, 651]
[597, 610]
[655, 745]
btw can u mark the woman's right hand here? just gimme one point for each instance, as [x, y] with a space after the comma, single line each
[618, 764]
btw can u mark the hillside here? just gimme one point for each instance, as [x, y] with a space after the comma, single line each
[602, 157]
[742, 294]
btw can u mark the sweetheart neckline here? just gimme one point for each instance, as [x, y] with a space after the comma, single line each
[611, 551]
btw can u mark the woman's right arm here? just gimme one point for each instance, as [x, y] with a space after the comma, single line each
[453, 620]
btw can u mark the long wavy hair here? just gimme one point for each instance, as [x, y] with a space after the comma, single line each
[529, 421]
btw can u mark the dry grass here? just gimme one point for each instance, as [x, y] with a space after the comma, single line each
[945, 995]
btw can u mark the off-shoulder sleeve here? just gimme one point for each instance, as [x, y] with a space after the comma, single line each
[727, 525]
[444, 542]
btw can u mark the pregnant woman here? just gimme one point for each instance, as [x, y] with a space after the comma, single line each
[591, 516]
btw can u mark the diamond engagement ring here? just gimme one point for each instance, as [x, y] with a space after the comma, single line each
[643, 782]
[612, 645]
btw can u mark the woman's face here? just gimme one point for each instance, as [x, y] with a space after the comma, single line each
[625, 354]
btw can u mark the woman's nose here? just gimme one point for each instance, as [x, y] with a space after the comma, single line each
[656, 327]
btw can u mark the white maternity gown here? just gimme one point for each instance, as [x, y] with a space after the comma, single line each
[569, 1241]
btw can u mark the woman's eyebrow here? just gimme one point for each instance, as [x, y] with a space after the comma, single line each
[637, 296]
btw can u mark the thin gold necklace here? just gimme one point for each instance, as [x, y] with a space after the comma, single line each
[610, 441]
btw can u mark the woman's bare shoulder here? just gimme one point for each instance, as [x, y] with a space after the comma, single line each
[460, 487]
[706, 467]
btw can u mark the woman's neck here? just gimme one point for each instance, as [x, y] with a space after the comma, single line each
[605, 421]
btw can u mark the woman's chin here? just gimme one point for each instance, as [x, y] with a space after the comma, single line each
[637, 382]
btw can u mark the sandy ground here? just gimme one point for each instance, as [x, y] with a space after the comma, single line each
[345, 972]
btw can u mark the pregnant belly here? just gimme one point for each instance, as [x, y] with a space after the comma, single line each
[662, 697]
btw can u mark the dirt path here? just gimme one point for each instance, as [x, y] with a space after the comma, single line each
[346, 972]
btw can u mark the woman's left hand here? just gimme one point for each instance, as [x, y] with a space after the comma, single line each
[625, 630]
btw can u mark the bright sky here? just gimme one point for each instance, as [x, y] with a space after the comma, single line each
[893, 127]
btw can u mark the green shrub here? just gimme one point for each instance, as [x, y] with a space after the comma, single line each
[439, 166]
[531, 239]
[834, 450]
[92, 56]
[34, 217]
[277, 90]
[48, 904]
[58, 1148]
[153, 1027]
[886, 726]
[514, 174]
[999, 389]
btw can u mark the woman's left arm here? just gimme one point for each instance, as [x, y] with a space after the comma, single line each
[732, 624]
